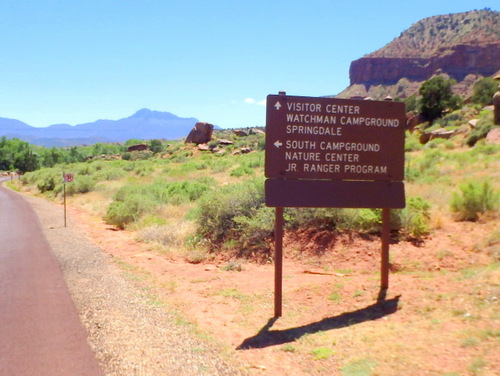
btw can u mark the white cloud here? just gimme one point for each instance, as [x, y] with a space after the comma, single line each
[253, 101]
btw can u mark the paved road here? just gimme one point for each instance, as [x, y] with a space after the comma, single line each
[40, 331]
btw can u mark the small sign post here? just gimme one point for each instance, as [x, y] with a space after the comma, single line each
[67, 178]
[328, 152]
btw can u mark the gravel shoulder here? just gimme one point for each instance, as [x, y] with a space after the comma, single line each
[130, 331]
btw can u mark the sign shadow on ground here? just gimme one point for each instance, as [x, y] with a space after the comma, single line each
[266, 337]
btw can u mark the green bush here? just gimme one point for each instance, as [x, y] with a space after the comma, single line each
[334, 219]
[252, 160]
[240, 171]
[255, 229]
[132, 201]
[110, 173]
[415, 217]
[484, 89]
[412, 143]
[474, 199]
[46, 185]
[216, 212]
[81, 184]
[220, 165]
[482, 128]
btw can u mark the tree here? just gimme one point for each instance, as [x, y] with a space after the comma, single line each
[411, 103]
[26, 161]
[484, 89]
[155, 146]
[437, 97]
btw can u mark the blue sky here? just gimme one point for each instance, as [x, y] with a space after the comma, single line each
[69, 61]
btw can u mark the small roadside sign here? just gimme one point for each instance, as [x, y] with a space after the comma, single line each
[68, 178]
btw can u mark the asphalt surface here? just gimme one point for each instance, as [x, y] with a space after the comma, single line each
[40, 331]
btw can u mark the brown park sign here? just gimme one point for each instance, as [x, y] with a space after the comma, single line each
[334, 139]
[325, 152]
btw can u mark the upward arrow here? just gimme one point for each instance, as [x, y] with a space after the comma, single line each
[277, 105]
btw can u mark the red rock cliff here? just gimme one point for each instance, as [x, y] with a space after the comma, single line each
[457, 61]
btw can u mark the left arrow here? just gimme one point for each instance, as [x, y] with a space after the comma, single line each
[278, 144]
[277, 105]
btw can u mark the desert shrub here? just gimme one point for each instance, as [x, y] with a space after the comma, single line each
[110, 173]
[220, 165]
[334, 219]
[216, 211]
[171, 236]
[85, 168]
[252, 160]
[368, 220]
[482, 149]
[254, 229]
[413, 220]
[484, 89]
[425, 166]
[412, 174]
[45, 179]
[261, 144]
[143, 168]
[139, 155]
[133, 201]
[412, 142]
[439, 142]
[121, 213]
[81, 184]
[415, 217]
[181, 156]
[47, 184]
[483, 126]
[240, 171]
[475, 198]
[451, 120]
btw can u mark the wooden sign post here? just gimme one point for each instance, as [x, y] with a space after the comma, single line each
[333, 153]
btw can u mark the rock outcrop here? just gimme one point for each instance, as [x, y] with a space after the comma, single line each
[201, 133]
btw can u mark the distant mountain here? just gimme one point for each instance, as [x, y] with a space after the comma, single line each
[144, 125]
[465, 46]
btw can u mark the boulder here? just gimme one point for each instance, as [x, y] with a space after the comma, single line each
[442, 133]
[200, 134]
[203, 147]
[138, 147]
[412, 120]
[472, 123]
[240, 133]
[493, 136]
[257, 131]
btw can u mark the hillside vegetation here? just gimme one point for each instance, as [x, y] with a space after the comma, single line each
[426, 37]
[212, 204]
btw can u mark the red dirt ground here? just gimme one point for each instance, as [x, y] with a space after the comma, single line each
[235, 306]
